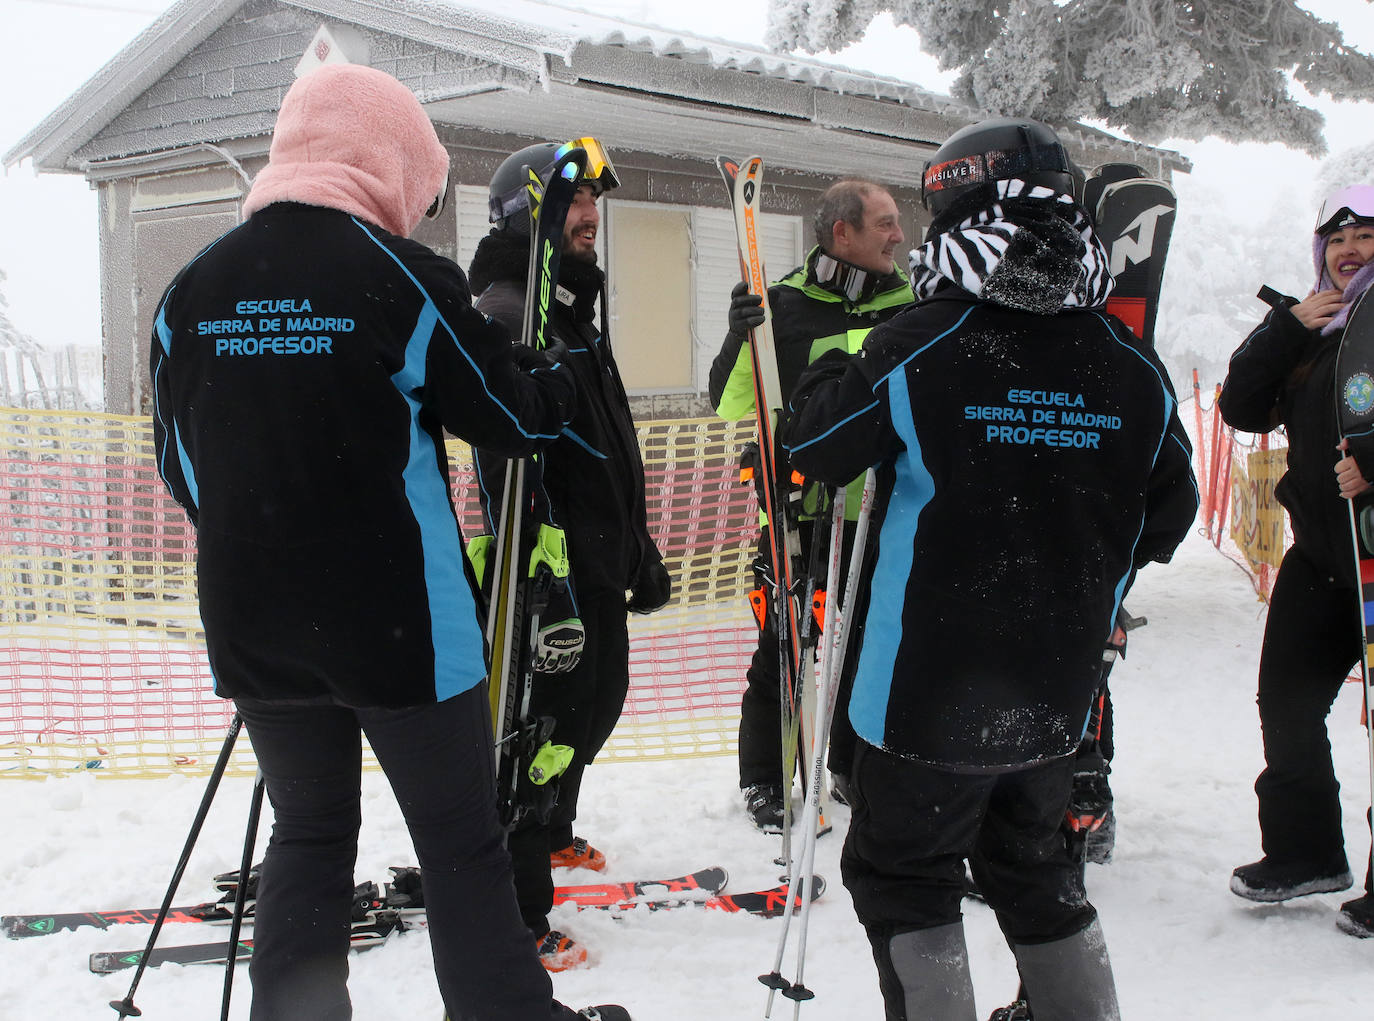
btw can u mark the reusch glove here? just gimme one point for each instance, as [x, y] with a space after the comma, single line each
[652, 590]
[558, 646]
[746, 310]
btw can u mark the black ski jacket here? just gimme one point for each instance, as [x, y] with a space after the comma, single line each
[1029, 465]
[1284, 375]
[305, 366]
[592, 473]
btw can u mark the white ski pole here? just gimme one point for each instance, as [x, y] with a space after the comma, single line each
[820, 730]
[838, 617]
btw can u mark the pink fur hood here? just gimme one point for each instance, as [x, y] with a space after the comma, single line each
[353, 138]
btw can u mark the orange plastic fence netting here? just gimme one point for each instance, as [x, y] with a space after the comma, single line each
[102, 660]
[1236, 475]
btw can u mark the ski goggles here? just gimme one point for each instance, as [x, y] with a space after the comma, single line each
[1347, 206]
[436, 208]
[994, 165]
[599, 174]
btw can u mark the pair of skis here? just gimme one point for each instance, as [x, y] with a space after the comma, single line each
[794, 588]
[525, 578]
[703, 890]
[780, 502]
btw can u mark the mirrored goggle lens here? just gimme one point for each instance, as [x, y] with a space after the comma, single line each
[600, 170]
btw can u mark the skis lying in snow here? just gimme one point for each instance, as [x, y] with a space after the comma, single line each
[20, 926]
[377, 929]
[367, 902]
[366, 935]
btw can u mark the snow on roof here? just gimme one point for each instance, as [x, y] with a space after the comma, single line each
[557, 30]
[522, 34]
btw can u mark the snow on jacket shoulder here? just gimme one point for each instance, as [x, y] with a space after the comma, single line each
[1029, 464]
[305, 368]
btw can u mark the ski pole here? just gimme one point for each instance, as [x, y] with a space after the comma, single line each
[250, 839]
[820, 727]
[838, 630]
[125, 1007]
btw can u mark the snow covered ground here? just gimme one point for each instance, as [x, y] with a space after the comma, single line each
[1184, 947]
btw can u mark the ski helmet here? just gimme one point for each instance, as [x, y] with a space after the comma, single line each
[507, 195]
[976, 156]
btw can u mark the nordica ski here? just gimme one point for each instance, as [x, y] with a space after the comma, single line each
[524, 578]
[1134, 217]
[374, 931]
[1355, 419]
[744, 182]
[401, 896]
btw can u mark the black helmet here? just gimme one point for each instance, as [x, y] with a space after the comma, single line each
[993, 150]
[507, 198]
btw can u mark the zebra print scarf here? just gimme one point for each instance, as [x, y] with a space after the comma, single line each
[1033, 249]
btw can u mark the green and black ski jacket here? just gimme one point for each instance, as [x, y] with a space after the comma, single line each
[809, 319]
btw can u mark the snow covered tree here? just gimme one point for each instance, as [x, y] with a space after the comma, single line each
[1153, 68]
[10, 335]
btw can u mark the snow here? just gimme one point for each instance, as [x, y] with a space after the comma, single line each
[1183, 946]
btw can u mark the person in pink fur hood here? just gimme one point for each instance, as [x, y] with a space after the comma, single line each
[355, 139]
[307, 366]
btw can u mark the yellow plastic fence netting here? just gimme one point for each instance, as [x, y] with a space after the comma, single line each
[102, 658]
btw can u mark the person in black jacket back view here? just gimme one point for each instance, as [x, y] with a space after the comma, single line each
[305, 367]
[592, 487]
[1030, 459]
[1282, 376]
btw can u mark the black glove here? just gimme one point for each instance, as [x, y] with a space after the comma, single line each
[652, 590]
[531, 359]
[746, 310]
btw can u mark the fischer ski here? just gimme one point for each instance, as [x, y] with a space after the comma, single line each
[524, 578]
[1133, 215]
[400, 896]
[780, 504]
[374, 931]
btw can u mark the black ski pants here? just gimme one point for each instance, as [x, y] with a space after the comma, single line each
[1311, 643]
[439, 762]
[914, 826]
[586, 703]
[760, 716]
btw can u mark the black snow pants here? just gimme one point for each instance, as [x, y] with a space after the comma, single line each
[1311, 643]
[913, 827]
[439, 762]
[586, 703]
